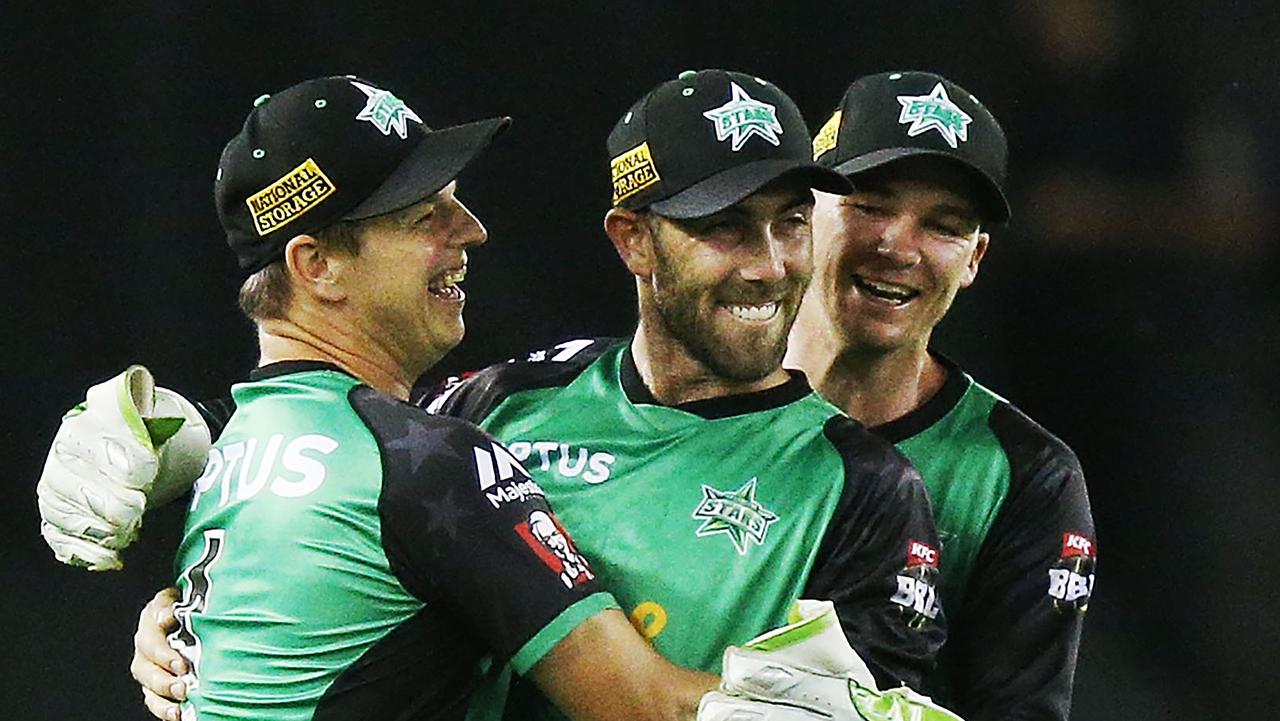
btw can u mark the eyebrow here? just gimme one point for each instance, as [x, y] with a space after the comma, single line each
[963, 211]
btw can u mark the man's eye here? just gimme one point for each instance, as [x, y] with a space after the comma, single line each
[954, 230]
[870, 209]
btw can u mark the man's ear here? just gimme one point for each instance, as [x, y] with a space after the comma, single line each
[632, 239]
[313, 271]
[975, 260]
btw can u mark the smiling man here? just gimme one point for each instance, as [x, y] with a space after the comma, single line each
[709, 485]
[927, 162]
[713, 488]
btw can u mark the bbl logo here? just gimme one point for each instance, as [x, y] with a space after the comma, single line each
[918, 584]
[1071, 578]
[735, 514]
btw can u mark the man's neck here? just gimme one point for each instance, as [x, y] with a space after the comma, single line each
[873, 385]
[288, 340]
[675, 377]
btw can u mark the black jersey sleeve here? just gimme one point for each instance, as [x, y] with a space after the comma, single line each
[878, 561]
[1015, 640]
[473, 396]
[465, 526]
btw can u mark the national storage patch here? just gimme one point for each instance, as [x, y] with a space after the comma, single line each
[632, 172]
[280, 203]
[826, 138]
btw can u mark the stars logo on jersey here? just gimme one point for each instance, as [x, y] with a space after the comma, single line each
[385, 111]
[735, 514]
[742, 117]
[935, 111]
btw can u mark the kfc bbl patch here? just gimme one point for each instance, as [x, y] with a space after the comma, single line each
[549, 542]
[918, 584]
[1071, 577]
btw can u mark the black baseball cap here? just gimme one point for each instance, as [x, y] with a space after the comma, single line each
[331, 149]
[895, 115]
[696, 145]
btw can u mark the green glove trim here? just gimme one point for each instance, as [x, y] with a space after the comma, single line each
[162, 429]
[799, 630]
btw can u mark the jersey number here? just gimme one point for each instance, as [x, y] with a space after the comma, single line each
[195, 598]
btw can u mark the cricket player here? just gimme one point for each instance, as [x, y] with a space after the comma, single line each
[927, 162]
[416, 548]
[708, 484]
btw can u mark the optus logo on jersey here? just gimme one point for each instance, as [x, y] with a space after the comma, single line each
[569, 461]
[287, 469]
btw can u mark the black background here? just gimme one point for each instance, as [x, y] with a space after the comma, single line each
[1131, 306]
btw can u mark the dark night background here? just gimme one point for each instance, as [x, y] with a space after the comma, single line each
[1131, 306]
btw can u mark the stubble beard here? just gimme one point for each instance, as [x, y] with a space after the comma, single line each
[691, 323]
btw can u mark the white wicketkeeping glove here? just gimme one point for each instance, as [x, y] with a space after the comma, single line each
[805, 671]
[130, 446]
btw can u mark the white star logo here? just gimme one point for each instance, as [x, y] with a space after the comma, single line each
[934, 111]
[742, 117]
[385, 111]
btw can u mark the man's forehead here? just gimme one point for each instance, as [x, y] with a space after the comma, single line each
[947, 178]
[778, 195]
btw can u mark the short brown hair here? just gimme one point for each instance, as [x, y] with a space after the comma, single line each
[265, 294]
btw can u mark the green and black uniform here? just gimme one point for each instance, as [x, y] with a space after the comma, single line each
[706, 520]
[1018, 551]
[349, 556]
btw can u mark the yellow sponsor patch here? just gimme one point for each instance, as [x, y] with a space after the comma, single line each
[826, 137]
[285, 200]
[632, 172]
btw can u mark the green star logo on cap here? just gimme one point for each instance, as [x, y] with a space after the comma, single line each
[934, 111]
[385, 111]
[735, 514]
[742, 117]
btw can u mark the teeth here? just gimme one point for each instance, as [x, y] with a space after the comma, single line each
[446, 286]
[754, 313]
[449, 279]
[895, 294]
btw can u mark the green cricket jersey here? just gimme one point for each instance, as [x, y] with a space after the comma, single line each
[708, 519]
[1018, 553]
[349, 556]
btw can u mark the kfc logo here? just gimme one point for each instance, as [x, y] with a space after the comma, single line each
[921, 554]
[1071, 577]
[551, 544]
[1073, 544]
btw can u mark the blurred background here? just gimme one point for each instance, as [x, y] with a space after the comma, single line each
[1131, 306]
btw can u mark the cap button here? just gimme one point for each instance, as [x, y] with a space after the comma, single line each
[261, 99]
[685, 75]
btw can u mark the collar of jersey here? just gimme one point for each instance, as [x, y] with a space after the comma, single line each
[933, 410]
[284, 368]
[796, 387]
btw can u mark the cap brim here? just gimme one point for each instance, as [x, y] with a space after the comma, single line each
[440, 156]
[725, 188]
[997, 205]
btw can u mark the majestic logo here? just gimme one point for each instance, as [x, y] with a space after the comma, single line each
[826, 138]
[282, 202]
[742, 117]
[552, 546]
[1071, 578]
[934, 111]
[632, 172]
[385, 111]
[736, 514]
